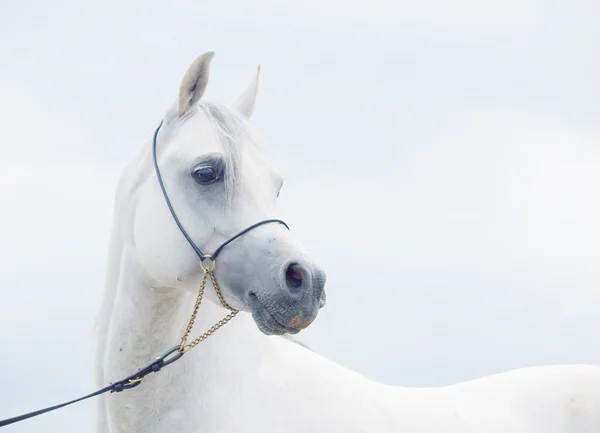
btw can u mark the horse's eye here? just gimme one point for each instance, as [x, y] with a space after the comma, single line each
[204, 175]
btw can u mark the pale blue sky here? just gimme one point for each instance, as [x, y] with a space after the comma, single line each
[451, 150]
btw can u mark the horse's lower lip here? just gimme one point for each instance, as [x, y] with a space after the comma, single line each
[265, 321]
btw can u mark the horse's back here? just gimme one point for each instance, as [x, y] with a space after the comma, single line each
[550, 399]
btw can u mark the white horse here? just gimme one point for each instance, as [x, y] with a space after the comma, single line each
[243, 378]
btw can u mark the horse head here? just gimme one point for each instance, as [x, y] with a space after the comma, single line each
[218, 182]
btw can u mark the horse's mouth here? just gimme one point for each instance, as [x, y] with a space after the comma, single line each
[265, 321]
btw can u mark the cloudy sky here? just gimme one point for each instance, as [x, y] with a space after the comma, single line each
[441, 160]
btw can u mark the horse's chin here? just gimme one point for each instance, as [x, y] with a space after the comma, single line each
[266, 323]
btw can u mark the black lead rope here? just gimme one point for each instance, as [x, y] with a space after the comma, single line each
[173, 354]
[129, 382]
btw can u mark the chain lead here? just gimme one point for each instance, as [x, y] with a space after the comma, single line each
[208, 271]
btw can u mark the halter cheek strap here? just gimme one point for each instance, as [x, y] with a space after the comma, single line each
[198, 251]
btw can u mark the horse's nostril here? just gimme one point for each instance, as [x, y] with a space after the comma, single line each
[294, 276]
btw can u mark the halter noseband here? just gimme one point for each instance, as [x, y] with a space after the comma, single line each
[198, 251]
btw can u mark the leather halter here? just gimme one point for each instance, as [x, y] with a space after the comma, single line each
[175, 352]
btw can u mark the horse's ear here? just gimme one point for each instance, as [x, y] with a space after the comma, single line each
[244, 104]
[194, 82]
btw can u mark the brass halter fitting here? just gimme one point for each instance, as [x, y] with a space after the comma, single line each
[208, 263]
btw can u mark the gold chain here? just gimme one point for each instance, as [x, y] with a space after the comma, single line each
[208, 271]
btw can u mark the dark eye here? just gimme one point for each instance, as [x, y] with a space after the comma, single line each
[205, 175]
